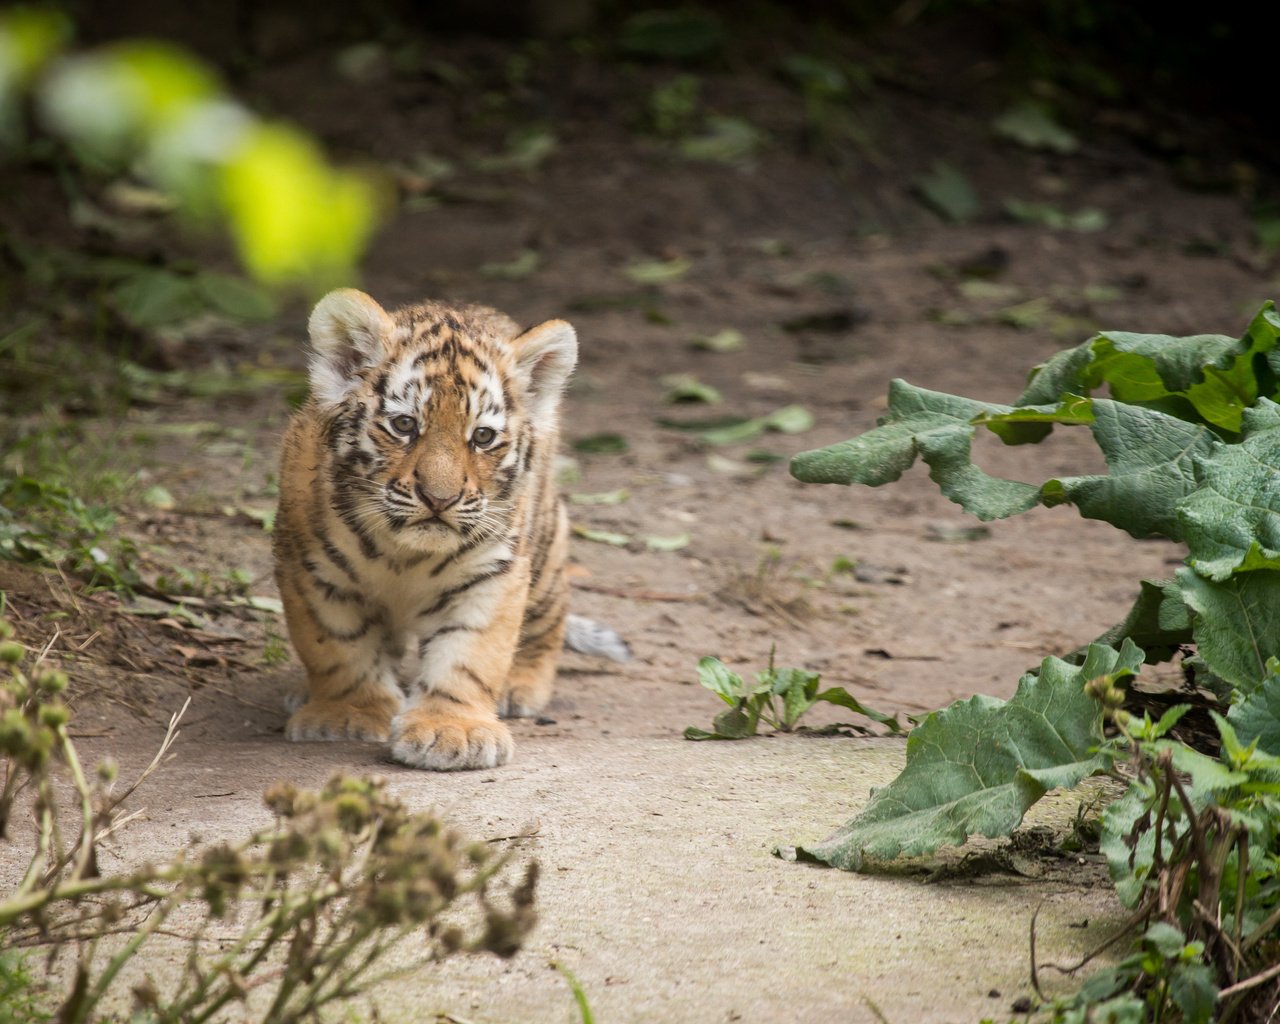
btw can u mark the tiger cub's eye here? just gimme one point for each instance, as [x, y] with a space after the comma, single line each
[404, 424]
[483, 437]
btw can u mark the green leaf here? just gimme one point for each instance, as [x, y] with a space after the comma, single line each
[1130, 866]
[1031, 424]
[1207, 378]
[1193, 991]
[716, 677]
[1231, 522]
[692, 732]
[1257, 717]
[939, 429]
[949, 192]
[293, 217]
[158, 496]
[527, 148]
[153, 298]
[1152, 461]
[1169, 719]
[1236, 624]
[617, 540]
[735, 723]
[1166, 939]
[29, 39]
[1158, 622]
[975, 767]
[654, 272]
[661, 542]
[1031, 125]
[841, 697]
[1086, 219]
[790, 419]
[798, 694]
[525, 263]
[727, 140]
[1208, 775]
[235, 297]
[601, 444]
[685, 387]
[601, 497]
[728, 340]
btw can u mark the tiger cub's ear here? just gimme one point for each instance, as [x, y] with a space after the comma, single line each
[348, 331]
[545, 356]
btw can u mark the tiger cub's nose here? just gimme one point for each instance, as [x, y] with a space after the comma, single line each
[437, 503]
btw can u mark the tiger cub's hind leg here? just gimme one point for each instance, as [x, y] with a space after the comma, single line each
[349, 690]
[533, 672]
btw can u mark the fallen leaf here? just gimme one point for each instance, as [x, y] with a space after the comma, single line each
[728, 340]
[617, 540]
[673, 543]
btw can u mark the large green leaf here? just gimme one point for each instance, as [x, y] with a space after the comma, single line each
[937, 428]
[1232, 520]
[975, 767]
[1204, 377]
[1257, 717]
[1151, 457]
[1236, 623]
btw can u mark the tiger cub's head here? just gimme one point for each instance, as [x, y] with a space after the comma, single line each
[433, 413]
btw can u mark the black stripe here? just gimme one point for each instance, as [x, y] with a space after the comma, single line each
[426, 642]
[368, 547]
[544, 605]
[315, 518]
[466, 547]
[332, 592]
[497, 569]
[531, 638]
[351, 688]
[343, 636]
[470, 674]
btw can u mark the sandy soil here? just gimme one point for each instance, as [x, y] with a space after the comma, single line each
[659, 889]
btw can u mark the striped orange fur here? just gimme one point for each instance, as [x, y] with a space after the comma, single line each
[420, 542]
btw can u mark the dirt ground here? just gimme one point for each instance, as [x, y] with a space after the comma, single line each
[659, 889]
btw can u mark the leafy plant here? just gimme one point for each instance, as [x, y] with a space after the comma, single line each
[779, 697]
[23, 997]
[46, 523]
[1191, 438]
[294, 219]
[316, 902]
[1193, 848]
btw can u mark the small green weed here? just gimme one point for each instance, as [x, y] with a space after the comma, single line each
[275, 651]
[48, 524]
[779, 698]
[22, 996]
[579, 994]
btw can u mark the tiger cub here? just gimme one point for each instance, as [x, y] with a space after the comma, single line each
[420, 542]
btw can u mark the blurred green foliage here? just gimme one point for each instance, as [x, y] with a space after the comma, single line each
[151, 109]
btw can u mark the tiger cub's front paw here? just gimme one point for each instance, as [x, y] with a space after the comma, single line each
[445, 740]
[335, 720]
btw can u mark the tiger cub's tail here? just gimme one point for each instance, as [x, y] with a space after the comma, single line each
[588, 637]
